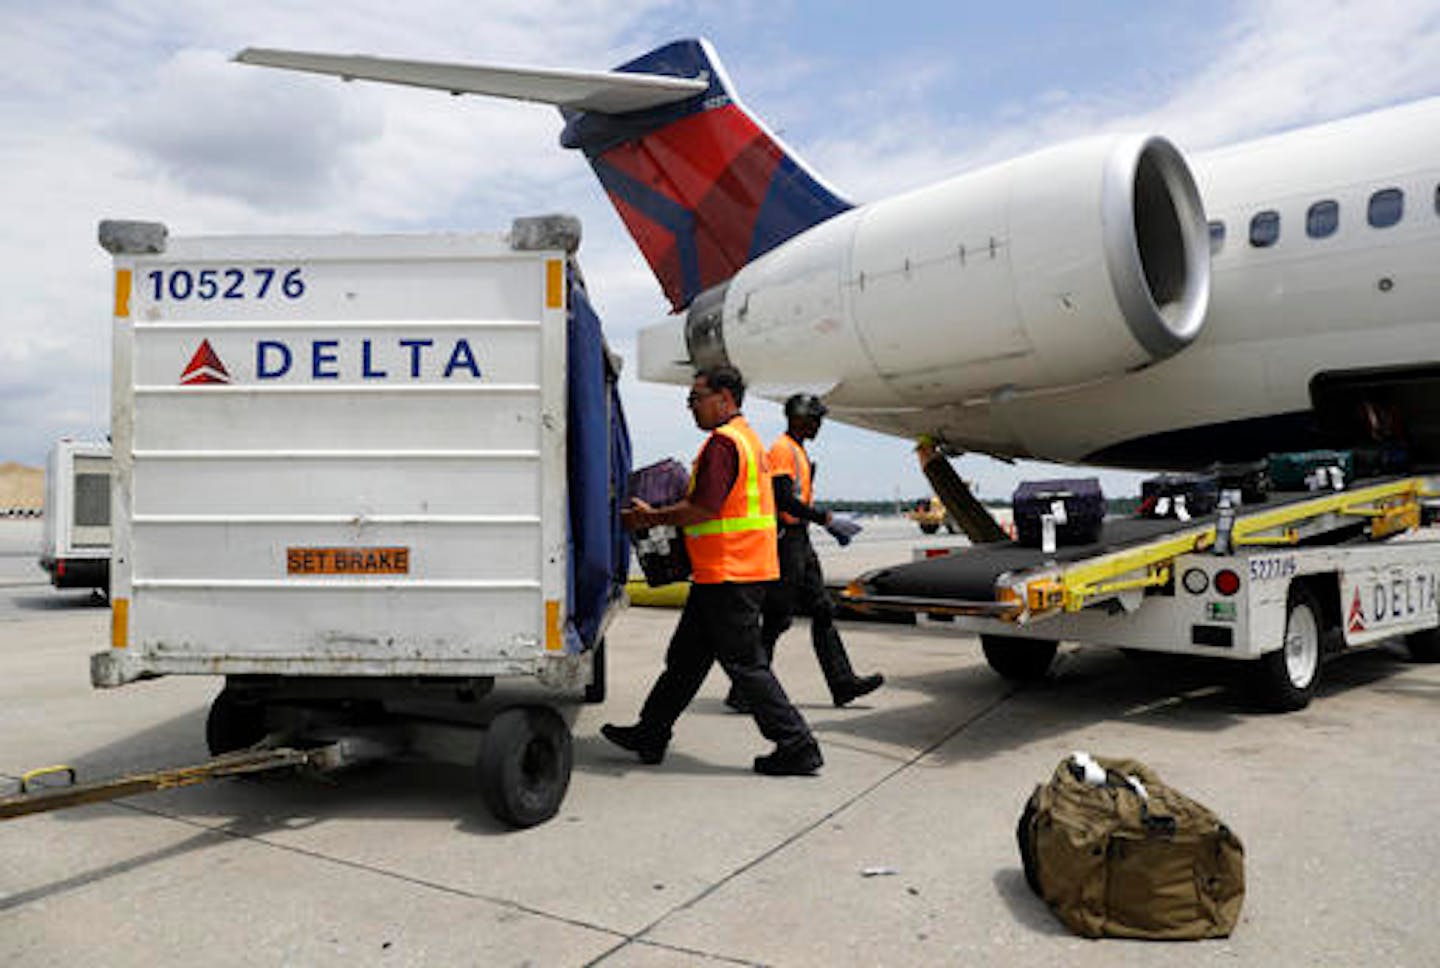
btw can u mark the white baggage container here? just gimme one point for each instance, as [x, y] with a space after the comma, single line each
[340, 467]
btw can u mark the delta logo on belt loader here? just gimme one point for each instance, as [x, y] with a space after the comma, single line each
[335, 359]
[1396, 600]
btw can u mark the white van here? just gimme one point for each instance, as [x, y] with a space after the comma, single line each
[75, 542]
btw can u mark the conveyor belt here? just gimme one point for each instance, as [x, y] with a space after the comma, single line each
[970, 574]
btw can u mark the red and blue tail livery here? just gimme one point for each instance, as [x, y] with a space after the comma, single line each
[702, 186]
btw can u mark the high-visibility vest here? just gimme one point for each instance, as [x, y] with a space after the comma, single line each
[738, 544]
[789, 459]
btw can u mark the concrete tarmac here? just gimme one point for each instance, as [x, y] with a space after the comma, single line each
[901, 852]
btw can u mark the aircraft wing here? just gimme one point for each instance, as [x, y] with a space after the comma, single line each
[611, 92]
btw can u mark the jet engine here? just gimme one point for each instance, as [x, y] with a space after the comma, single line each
[1074, 264]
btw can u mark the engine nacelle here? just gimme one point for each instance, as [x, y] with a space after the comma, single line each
[1074, 264]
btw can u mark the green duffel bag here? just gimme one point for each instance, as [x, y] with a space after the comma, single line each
[1117, 853]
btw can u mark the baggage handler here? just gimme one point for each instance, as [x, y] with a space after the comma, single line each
[729, 525]
[802, 584]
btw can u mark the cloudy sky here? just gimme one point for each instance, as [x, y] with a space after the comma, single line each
[131, 109]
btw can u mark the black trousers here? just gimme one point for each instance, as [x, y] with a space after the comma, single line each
[722, 623]
[801, 591]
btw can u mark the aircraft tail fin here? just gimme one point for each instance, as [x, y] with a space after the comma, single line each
[701, 184]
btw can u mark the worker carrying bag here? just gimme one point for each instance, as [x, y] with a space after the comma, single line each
[1117, 853]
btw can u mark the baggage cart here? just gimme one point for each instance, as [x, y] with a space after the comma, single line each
[356, 473]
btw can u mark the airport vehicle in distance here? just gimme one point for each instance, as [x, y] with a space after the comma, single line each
[1071, 305]
[930, 515]
[75, 536]
[354, 472]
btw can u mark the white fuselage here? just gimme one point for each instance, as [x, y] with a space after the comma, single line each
[1362, 297]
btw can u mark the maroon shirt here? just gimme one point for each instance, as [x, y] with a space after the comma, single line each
[715, 471]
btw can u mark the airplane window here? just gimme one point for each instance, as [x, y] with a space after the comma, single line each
[1437, 199]
[1322, 219]
[1386, 207]
[1265, 228]
[1217, 229]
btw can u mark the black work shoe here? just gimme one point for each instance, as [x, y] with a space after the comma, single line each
[638, 740]
[857, 687]
[802, 759]
[734, 701]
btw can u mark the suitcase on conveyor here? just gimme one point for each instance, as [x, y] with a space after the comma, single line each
[1250, 478]
[661, 549]
[1311, 470]
[1181, 496]
[1081, 503]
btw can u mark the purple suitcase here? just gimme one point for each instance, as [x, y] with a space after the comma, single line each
[661, 549]
[661, 483]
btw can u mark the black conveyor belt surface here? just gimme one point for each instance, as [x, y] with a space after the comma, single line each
[970, 573]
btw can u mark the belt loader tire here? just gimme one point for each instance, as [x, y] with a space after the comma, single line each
[1289, 675]
[1424, 646]
[1019, 659]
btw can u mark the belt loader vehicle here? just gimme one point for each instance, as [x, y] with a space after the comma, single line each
[357, 476]
[1281, 585]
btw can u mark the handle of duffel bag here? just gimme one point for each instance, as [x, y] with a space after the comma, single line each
[1156, 824]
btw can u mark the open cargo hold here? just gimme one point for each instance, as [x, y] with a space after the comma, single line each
[75, 540]
[352, 471]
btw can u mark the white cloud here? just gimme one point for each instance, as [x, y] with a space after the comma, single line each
[220, 131]
[129, 108]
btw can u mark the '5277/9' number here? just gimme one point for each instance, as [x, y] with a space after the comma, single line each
[256, 282]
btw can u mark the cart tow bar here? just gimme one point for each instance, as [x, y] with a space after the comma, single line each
[33, 798]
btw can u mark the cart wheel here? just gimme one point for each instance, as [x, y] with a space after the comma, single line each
[1024, 660]
[1288, 676]
[1424, 646]
[234, 723]
[525, 763]
[595, 691]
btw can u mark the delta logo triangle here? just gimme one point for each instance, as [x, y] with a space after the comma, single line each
[1356, 620]
[204, 367]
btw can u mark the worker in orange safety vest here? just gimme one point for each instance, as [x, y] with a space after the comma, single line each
[728, 518]
[801, 589]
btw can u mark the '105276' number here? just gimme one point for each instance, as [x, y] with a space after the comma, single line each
[257, 282]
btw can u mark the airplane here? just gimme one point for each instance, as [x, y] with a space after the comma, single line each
[1105, 301]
